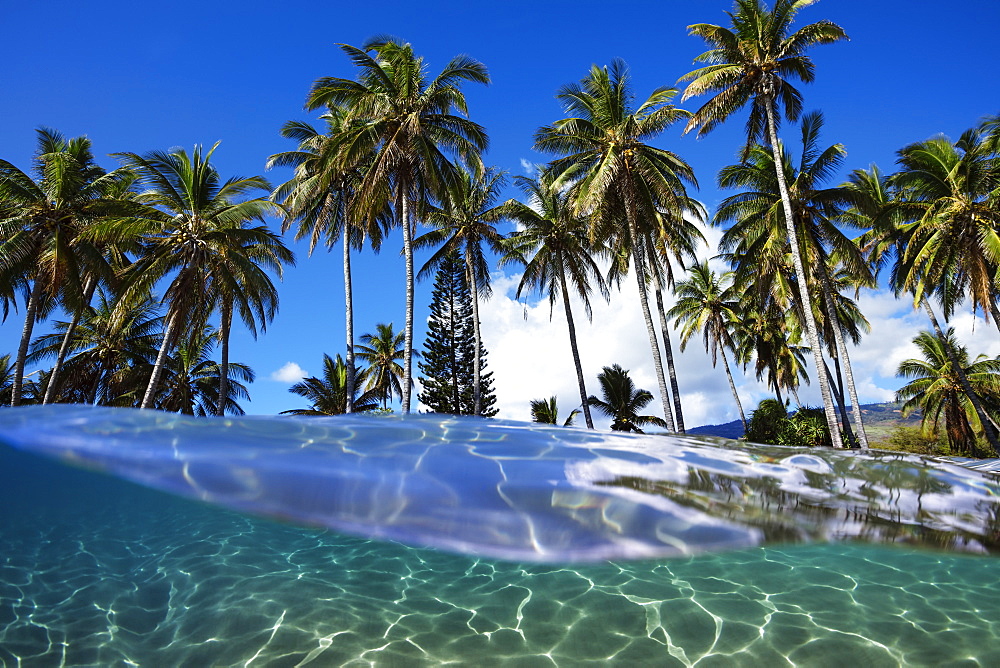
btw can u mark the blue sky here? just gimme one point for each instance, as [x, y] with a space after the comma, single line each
[143, 76]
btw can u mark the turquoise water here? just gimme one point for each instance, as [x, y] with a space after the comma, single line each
[98, 571]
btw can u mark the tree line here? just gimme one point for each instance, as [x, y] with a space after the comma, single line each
[396, 146]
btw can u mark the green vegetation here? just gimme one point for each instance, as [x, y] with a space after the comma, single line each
[546, 411]
[141, 271]
[622, 401]
[771, 423]
[448, 368]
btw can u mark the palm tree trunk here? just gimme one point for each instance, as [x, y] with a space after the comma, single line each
[349, 321]
[88, 295]
[989, 426]
[477, 402]
[404, 214]
[161, 358]
[225, 326]
[22, 351]
[732, 386]
[640, 277]
[668, 352]
[585, 405]
[996, 314]
[811, 332]
[838, 336]
[837, 388]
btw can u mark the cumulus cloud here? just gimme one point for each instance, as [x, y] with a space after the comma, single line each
[530, 356]
[289, 373]
[528, 167]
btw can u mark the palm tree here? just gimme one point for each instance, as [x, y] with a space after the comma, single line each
[880, 203]
[382, 352]
[191, 384]
[328, 395]
[951, 204]
[757, 243]
[622, 401]
[463, 223]
[407, 124]
[110, 352]
[752, 63]
[770, 336]
[617, 176]
[555, 249]
[6, 379]
[546, 411]
[935, 389]
[197, 232]
[40, 230]
[320, 197]
[708, 303]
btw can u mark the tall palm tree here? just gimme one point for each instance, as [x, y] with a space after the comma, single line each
[617, 176]
[241, 285]
[951, 202]
[382, 352]
[881, 204]
[463, 224]
[40, 231]
[935, 389]
[758, 245]
[752, 63]
[409, 125]
[553, 244]
[196, 231]
[546, 411]
[320, 196]
[106, 262]
[328, 395]
[622, 401]
[708, 303]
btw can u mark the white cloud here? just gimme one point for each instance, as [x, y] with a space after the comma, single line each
[530, 355]
[528, 167]
[289, 373]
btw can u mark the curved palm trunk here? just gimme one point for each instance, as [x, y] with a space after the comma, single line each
[640, 277]
[572, 345]
[22, 350]
[732, 386]
[50, 390]
[668, 352]
[838, 336]
[161, 358]
[811, 332]
[404, 215]
[225, 326]
[477, 401]
[989, 426]
[349, 323]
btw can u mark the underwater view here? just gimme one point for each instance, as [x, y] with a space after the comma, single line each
[430, 540]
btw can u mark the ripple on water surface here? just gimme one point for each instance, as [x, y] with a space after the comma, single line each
[95, 571]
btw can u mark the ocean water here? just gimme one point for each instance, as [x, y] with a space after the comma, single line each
[762, 556]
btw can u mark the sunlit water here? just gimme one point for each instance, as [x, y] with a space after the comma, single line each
[763, 556]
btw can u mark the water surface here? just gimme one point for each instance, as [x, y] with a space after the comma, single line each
[98, 571]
